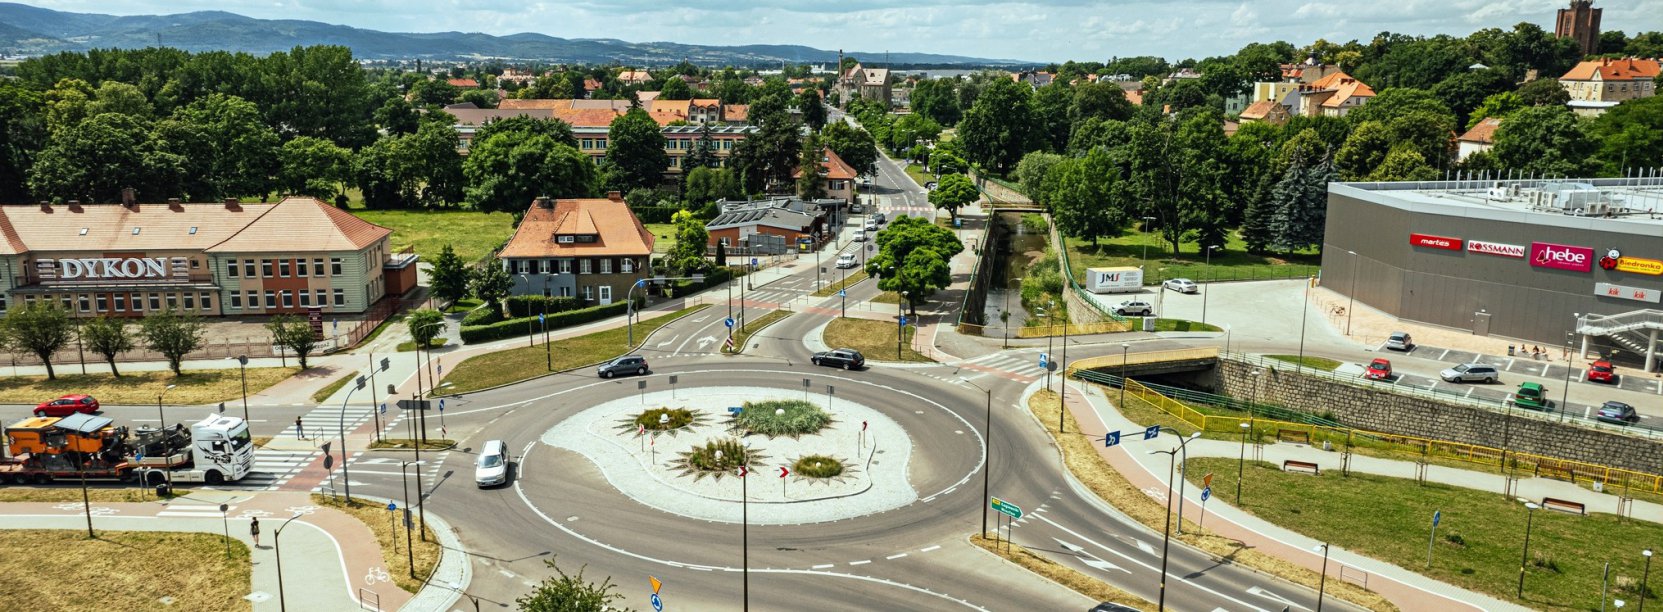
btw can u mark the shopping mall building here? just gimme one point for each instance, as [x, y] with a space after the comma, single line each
[295, 256]
[1575, 261]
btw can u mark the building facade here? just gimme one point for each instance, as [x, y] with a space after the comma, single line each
[593, 249]
[1596, 85]
[229, 259]
[1581, 23]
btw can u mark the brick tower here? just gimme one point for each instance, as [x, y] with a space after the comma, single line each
[1580, 23]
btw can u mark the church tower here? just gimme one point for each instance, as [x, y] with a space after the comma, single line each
[1580, 23]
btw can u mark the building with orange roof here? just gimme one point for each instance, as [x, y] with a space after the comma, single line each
[1596, 85]
[839, 175]
[736, 113]
[590, 248]
[1480, 138]
[463, 83]
[295, 256]
[1265, 111]
[634, 77]
[1331, 96]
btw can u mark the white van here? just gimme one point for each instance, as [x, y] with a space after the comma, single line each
[492, 468]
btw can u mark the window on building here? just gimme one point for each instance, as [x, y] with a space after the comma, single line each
[334, 266]
[628, 265]
[248, 268]
[265, 268]
[172, 301]
[564, 240]
[67, 302]
[288, 298]
[606, 266]
[271, 300]
[155, 302]
[81, 300]
[340, 297]
[319, 299]
[231, 269]
[236, 301]
[253, 299]
[195, 264]
[565, 266]
[283, 268]
[121, 302]
[565, 292]
[207, 301]
[583, 266]
[190, 301]
[317, 267]
[588, 293]
[543, 266]
[300, 268]
[305, 299]
[103, 302]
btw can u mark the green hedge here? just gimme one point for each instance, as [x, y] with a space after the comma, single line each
[483, 315]
[529, 305]
[514, 327]
[711, 279]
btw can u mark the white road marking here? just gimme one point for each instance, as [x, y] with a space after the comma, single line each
[893, 557]
[862, 562]
[1148, 566]
[1273, 597]
[824, 566]
[936, 547]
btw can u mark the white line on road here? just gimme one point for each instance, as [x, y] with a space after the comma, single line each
[893, 557]
[1148, 566]
[824, 566]
[862, 562]
[936, 547]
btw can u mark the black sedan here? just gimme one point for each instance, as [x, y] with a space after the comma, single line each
[848, 359]
[1618, 412]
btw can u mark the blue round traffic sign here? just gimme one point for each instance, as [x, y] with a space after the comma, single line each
[392, 506]
[728, 321]
[657, 604]
[1206, 493]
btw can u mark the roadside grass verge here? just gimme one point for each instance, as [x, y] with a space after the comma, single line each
[330, 389]
[831, 289]
[1478, 541]
[386, 528]
[433, 443]
[405, 347]
[1319, 363]
[1173, 325]
[1233, 262]
[919, 174]
[514, 365]
[1081, 458]
[742, 336]
[69, 490]
[61, 569]
[1061, 574]
[141, 388]
[464, 305]
[472, 234]
[874, 339]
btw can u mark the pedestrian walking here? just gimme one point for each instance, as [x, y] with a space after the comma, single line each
[254, 530]
[299, 432]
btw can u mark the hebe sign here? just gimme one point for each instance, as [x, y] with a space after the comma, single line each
[1436, 242]
[1561, 257]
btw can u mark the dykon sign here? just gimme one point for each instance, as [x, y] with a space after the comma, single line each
[112, 267]
[1561, 257]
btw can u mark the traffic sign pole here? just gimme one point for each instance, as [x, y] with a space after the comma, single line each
[1206, 494]
[1433, 536]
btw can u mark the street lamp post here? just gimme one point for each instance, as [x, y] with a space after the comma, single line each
[987, 453]
[530, 336]
[1209, 288]
[340, 431]
[1352, 305]
[1146, 221]
[1643, 576]
[277, 543]
[409, 544]
[900, 324]
[1565, 396]
[161, 421]
[1524, 558]
[1124, 347]
[1322, 582]
[242, 367]
[1062, 385]
[1241, 463]
[1303, 310]
[1166, 536]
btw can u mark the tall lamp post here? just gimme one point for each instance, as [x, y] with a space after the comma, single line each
[900, 324]
[242, 367]
[987, 452]
[277, 543]
[1146, 222]
[421, 415]
[340, 431]
[1565, 396]
[160, 419]
[1241, 463]
[1166, 536]
[530, 336]
[410, 550]
[1524, 558]
[1124, 347]
[1643, 576]
[1352, 305]
[1062, 384]
[1322, 582]
[1209, 288]
[1303, 310]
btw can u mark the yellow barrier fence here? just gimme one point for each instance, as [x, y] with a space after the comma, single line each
[1113, 361]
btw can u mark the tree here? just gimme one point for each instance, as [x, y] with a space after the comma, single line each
[935, 99]
[94, 159]
[318, 91]
[897, 243]
[1086, 195]
[1051, 104]
[420, 169]
[1033, 172]
[1299, 202]
[853, 145]
[508, 170]
[1464, 91]
[106, 336]
[1397, 102]
[675, 89]
[767, 158]
[232, 151]
[433, 92]
[424, 324]
[999, 127]
[293, 333]
[172, 334]
[1498, 106]
[952, 192]
[571, 593]
[480, 98]
[449, 277]
[943, 161]
[703, 154]
[22, 134]
[1099, 100]
[397, 116]
[1543, 92]
[1203, 172]
[41, 329]
[1543, 140]
[1403, 163]
[1629, 135]
[812, 108]
[910, 130]
[1363, 151]
[635, 154]
[811, 184]
[313, 166]
[687, 256]
[491, 283]
[704, 186]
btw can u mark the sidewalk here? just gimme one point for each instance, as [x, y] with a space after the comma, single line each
[1408, 590]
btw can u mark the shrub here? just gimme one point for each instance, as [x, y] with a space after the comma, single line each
[1544, 560]
[653, 419]
[705, 459]
[798, 418]
[711, 279]
[521, 306]
[483, 315]
[1455, 539]
[515, 327]
[817, 466]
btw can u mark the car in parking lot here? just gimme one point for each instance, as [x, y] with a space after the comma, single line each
[846, 358]
[1617, 412]
[1471, 372]
[1532, 396]
[1399, 341]
[1134, 308]
[1602, 372]
[492, 468]
[1181, 285]
[846, 260]
[1379, 369]
[68, 405]
[628, 364]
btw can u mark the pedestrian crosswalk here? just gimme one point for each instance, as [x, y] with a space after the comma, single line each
[273, 468]
[194, 511]
[1012, 361]
[280, 461]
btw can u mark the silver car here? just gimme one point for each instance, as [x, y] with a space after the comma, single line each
[1471, 372]
[1400, 341]
[1181, 285]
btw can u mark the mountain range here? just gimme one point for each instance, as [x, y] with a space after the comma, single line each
[30, 30]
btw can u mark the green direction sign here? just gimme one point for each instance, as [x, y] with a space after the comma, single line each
[1006, 508]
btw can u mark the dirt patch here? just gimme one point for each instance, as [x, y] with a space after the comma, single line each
[122, 570]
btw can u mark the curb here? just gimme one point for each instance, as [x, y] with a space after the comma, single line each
[756, 331]
[451, 561]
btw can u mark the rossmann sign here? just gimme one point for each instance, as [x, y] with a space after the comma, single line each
[1561, 257]
[1497, 248]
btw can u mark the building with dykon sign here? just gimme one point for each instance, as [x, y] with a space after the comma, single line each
[1548, 262]
[222, 259]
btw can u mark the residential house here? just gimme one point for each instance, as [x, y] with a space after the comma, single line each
[868, 83]
[839, 177]
[1480, 138]
[1267, 111]
[1596, 85]
[1293, 76]
[634, 77]
[705, 110]
[736, 113]
[463, 83]
[1331, 96]
[590, 86]
[1033, 78]
[646, 97]
[593, 248]
[515, 75]
[591, 122]
[774, 225]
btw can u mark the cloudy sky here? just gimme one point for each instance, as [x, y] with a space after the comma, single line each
[1043, 30]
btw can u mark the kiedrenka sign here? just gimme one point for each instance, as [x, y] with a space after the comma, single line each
[1561, 257]
[111, 268]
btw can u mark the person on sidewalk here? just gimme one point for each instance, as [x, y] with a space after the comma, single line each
[299, 432]
[254, 530]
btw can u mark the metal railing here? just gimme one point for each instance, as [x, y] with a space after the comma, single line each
[1603, 325]
[1115, 360]
[1072, 329]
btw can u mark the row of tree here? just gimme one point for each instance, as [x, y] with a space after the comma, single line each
[44, 328]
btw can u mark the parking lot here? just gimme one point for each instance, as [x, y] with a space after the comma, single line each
[1538, 367]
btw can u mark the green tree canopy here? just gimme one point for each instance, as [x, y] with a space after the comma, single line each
[506, 171]
[227, 148]
[314, 167]
[449, 278]
[999, 127]
[293, 333]
[675, 89]
[173, 334]
[1629, 135]
[107, 337]
[954, 191]
[94, 159]
[687, 256]
[1543, 140]
[853, 145]
[40, 329]
[635, 156]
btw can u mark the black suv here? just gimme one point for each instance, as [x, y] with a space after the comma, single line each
[628, 364]
[847, 359]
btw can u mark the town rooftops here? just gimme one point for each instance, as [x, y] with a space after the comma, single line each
[1626, 69]
[470, 83]
[634, 77]
[294, 224]
[1258, 110]
[616, 230]
[1344, 87]
[771, 217]
[736, 112]
[832, 166]
[1484, 132]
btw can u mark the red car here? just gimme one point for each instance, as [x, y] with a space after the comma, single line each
[1379, 369]
[67, 405]
[1602, 371]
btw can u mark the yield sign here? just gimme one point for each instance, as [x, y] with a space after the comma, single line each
[655, 584]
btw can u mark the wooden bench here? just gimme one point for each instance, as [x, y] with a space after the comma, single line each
[1294, 436]
[1306, 466]
[1555, 472]
[1564, 505]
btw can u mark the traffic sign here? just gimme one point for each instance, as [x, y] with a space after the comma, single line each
[1206, 493]
[903, 319]
[1006, 508]
[1151, 432]
[391, 506]
[728, 322]
[542, 318]
[656, 585]
[657, 604]
[1207, 481]
[1044, 359]
[383, 407]
[407, 404]
[842, 293]
[441, 405]
[753, 261]
[1437, 515]
[735, 410]
[222, 407]
[1111, 439]
[784, 472]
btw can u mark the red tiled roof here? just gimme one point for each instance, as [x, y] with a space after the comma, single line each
[1627, 69]
[303, 224]
[835, 167]
[620, 231]
[1345, 87]
[462, 82]
[1257, 110]
[736, 112]
[1484, 132]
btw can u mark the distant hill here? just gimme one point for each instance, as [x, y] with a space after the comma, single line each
[33, 30]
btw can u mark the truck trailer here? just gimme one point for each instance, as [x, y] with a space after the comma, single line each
[40, 450]
[1114, 280]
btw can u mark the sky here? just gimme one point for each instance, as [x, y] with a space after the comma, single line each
[1035, 30]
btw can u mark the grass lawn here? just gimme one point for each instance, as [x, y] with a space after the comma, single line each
[874, 339]
[664, 236]
[393, 321]
[464, 305]
[331, 388]
[122, 570]
[73, 494]
[514, 365]
[375, 516]
[832, 288]
[919, 174]
[431, 444]
[742, 336]
[1231, 263]
[1177, 325]
[1320, 363]
[405, 347]
[472, 234]
[1478, 542]
[195, 387]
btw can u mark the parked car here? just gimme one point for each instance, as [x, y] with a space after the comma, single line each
[492, 468]
[1603, 372]
[860, 236]
[1379, 369]
[1532, 396]
[1134, 308]
[68, 405]
[1109, 606]
[1471, 372]
[1181, 285]
[1618, 412]
[628, 364]
[878, 216]
[845, 358]
[846, 260]
[1399, 341]
[871, 225]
